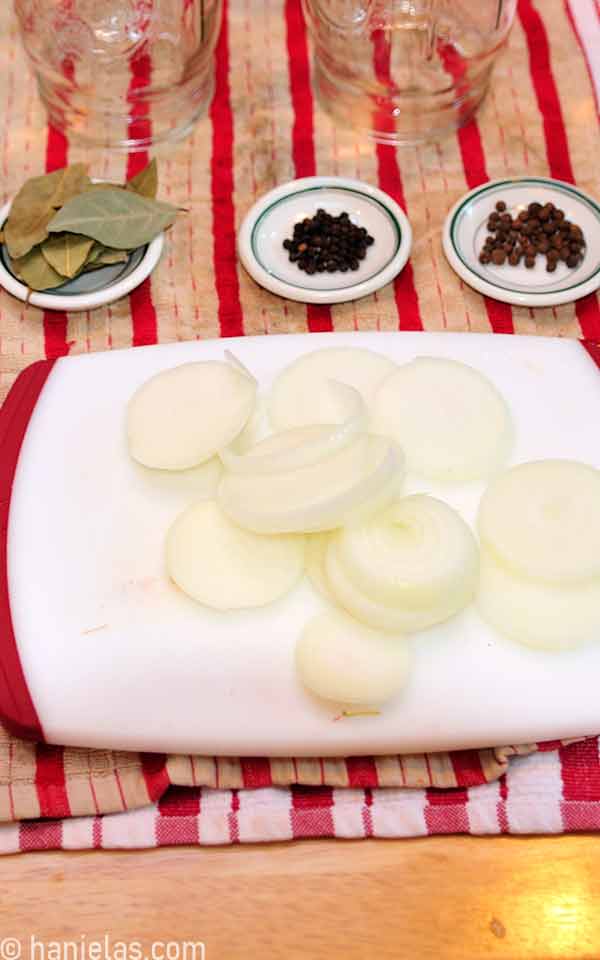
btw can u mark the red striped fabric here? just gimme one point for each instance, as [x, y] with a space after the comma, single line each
[311, 812]
[231, 320]
[318, 316]
[587, 309]
[156, 775]
[367, 816]
[55, 322]
[501, 809]
[362, 772]
[542, 76]
[233, 818]
[446, 811]
[390, 180]
[548, 795]
[143, 315]
[583, 48]
[178, 821]
[40, 835]
[475, 172]
[50, 782]
[467, 767]
[473, 158]
[580, 771]
[256, 772]
[557, 144]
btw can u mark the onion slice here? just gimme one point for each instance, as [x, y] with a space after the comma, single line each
[315, 498]
[299, 449]
[449, 419]
[226, 568]
[542, 520]
[341, 660]
[301, 393]
[316, 553]
[406, 568]
[173, 421]
[541, 615]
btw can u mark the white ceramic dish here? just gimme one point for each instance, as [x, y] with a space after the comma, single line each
[88, 291]
[270, 221]
[465, 232]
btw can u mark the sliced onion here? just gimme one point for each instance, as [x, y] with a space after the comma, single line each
[319, 497]
[301, 393]
[407, 568]
[542, 615]
[448, 418]
[316, 552]
[182, 416]
[239, 366]
[297, 448]
[341, 660]
[542, 520]
[226, 568]
[377, 615]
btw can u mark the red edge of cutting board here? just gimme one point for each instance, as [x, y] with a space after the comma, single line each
[17, 709]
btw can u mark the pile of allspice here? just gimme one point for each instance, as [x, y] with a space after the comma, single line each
[62, 224]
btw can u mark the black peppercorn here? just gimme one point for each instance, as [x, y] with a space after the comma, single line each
[325, 243]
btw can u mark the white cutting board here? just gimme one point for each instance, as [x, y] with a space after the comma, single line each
[86, 550]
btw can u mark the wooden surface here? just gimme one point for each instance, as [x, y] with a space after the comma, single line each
[429, 898]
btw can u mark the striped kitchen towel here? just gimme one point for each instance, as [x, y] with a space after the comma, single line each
[263, 127]
[551, 791]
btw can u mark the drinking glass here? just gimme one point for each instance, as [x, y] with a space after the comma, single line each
[405, 71]
[122, 73]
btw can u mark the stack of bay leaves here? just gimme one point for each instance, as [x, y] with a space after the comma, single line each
[62, 224]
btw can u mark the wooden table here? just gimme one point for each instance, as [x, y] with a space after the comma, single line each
[440, 897]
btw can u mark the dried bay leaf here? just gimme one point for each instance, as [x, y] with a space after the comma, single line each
[104, 185]
[35, 204]
[75, 180]
[145, 182]
[67, 252]
[26, 231]
[35, 271]
[117, 218]
[109, 256]
[95, 252]
[104, 256]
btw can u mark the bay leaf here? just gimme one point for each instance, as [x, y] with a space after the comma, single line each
[117, 218]
[109, 255]
[24, 232]
[145, 182]
[74, 181]
[104, 185]
[34, 206]
[95, 252]
[67, 252]
[104, 256]
[35, 271]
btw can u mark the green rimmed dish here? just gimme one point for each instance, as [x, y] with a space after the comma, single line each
[271, 220]
[465, 232]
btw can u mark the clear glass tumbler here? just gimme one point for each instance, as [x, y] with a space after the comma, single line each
[405, 71]
[122, 73]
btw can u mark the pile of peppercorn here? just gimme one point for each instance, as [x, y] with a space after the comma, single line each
[536, 230]
[324, 243]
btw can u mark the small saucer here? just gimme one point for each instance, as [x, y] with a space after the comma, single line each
[465, 232]
[89, 290]
[271, 220]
